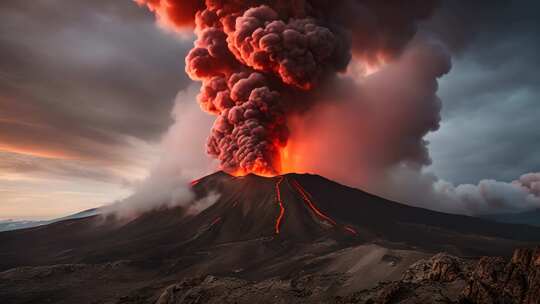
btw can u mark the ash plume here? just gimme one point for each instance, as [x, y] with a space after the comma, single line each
[258, 61]
[281, 78]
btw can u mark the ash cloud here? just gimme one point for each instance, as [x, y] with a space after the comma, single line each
[255, 59]
[376, 122]
[486, 197]
[110, 77]
[375, 138]
[368, 131]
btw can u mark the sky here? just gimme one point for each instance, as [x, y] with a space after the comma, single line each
[87, 89]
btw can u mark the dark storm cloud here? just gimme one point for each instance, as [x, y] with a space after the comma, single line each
[82, 78]
[491, 112]
[13, 163]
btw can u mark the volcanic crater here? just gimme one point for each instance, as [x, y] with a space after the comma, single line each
[288, 227]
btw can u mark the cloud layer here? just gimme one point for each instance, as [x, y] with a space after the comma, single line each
[86, 94]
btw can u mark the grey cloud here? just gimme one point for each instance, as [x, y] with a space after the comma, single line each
[90, 74]
[490, 111]
[13, 163]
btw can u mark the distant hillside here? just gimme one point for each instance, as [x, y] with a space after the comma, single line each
[529, 218]
[10, 225]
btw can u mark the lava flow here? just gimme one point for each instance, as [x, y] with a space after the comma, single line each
[351, 230]
[280, 203]
[215, 221]
[306, 197]
[310, 203]
[194, 182]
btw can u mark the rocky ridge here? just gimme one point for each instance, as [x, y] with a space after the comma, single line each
[442, 278]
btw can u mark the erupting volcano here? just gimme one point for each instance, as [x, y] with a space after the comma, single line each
[261, 61]
[297, 227]
[294, 185]
[316, 120]
[286, 201]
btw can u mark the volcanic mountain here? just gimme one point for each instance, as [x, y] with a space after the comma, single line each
[260, 228]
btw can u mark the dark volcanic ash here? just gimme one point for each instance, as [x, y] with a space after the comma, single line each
[259, 62]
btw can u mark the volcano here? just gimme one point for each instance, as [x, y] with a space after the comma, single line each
[288, 227]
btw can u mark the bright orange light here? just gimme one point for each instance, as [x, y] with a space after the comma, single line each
[288, 159]
[257, 170]
[366, 66]
[284, 163]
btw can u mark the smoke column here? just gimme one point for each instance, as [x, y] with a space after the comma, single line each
[261, 62]
[346, 89]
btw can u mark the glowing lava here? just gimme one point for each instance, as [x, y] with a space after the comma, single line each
[215, 221]
[310, 203]
[306, 198]
[351, 230]
[194, 182]
[280, 203]
[286, 162]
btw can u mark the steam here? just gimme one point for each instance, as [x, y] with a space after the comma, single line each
[280, 77]
[487, 197]
[376, 122]
[181, 160]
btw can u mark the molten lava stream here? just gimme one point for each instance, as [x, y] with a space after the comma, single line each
[194, 182]
[310, 204]
[351, 230]
[280, 203]
[215, 221]
[306, 196]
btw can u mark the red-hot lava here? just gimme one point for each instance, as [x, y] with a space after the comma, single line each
[215, 221]
[350, 230]
[309, 202]
[280, 204]
[194, 182]
[306, 197]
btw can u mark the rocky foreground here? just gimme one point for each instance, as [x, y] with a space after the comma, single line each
[443, 278]
[295, 238]
[440, 279]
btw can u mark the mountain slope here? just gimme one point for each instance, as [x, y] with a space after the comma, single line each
[290, 227]
[10, 225]
[312, 208]
[526, 218]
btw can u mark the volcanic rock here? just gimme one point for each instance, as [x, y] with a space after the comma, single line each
[295, 238]
[495, 281]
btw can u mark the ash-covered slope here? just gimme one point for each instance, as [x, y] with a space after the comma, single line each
[301, 229]
[309, 209]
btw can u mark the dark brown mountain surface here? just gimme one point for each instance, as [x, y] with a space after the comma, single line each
[291, 238]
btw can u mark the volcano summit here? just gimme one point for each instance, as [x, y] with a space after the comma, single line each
[297, 233]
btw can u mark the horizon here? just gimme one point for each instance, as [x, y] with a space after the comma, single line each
[94, 106]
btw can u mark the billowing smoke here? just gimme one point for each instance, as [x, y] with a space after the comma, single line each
[283, 81]
[261, 61]
[374, 138]
[180, 162]
[370, 124]
[490, 196]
